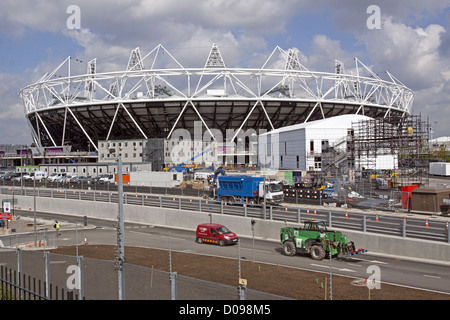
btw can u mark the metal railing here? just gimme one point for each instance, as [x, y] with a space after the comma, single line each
[379, 224]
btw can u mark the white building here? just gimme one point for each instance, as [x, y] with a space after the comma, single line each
[130, 150]
[311, 145]
[441, 143]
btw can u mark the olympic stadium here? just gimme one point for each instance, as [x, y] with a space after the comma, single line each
[156, 94]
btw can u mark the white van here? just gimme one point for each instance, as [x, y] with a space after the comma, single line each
[56, 177]
[39, 175]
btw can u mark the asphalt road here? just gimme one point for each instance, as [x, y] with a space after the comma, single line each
[393, 270]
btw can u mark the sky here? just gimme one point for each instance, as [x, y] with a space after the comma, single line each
[409, 38]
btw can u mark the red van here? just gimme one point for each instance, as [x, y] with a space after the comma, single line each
[215, 233]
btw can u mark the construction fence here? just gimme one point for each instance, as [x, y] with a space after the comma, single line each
[41, 275]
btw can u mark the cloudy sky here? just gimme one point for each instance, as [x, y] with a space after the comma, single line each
[412, 41]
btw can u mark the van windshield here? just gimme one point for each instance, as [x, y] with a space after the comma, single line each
[223, 230]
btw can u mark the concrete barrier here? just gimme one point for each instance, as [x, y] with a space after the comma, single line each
[263, 229]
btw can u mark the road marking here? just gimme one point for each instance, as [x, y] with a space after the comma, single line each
[256, 250]
[355, 265]
[173, 238]
[328, 267]
[378, 262]
[370, 261]
[434, 277]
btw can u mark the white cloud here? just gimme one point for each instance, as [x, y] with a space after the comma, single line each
[411, 54]
[414, 56]
[13, 125]
[417, 56]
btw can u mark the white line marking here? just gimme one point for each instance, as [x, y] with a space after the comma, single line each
[434, 277]
[340, 269]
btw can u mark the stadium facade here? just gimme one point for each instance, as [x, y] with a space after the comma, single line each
[155, 95]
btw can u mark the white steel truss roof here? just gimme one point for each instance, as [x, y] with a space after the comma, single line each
[75, 98]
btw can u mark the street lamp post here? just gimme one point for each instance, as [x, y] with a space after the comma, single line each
[120, 231]
[34, 206]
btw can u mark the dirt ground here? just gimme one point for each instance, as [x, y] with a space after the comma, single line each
[283, 281]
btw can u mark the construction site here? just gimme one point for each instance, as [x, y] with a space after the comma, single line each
[345, 139]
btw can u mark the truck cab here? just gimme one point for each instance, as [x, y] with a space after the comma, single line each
[273, 190]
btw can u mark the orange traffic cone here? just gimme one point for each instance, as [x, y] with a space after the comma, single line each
[315, 211]
[376, 218]
[307, 211]
[346, 214]
[426, 223]
[446, 226]
[285, 209]
[85, 241]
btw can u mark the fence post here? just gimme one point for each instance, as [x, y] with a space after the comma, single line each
[448, 233]
[404, 228]
[329, 219]
[19, 269]
[80, 278]
[298, 214]
[270, 213]
[47, 274]
[364, 223]
[242, 292]
[173, 285]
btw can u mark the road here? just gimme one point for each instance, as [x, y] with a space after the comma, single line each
[393, 270]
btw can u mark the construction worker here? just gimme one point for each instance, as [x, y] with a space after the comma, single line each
[57, 226]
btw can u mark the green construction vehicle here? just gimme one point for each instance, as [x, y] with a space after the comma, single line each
[316, 240]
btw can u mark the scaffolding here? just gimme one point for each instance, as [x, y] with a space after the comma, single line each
[401, 140]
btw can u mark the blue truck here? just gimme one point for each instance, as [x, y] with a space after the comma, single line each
[249, 189]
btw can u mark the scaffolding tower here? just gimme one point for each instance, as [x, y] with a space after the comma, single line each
[406, 139]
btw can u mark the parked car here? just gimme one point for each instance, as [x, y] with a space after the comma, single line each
[28, 176]
[7, 176]
[109, 178]
[14, 175]
[52, 177]
[73, 179]
[18, 177]
[83, 179]
[97, 178]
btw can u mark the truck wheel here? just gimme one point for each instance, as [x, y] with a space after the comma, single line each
[199, 240]
[289, 248]
[251, 201]
[317, 252]
[221, 243]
